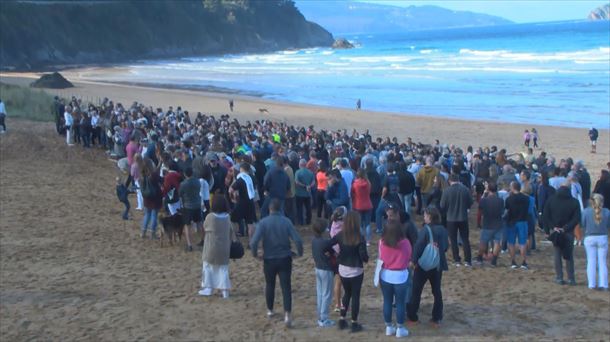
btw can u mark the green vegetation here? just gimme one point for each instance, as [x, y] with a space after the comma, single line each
[26, 103]
[35, 34]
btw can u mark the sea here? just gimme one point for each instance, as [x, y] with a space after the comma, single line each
[552, 73]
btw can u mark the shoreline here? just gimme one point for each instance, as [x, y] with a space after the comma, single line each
[561, 142]
[74, 76]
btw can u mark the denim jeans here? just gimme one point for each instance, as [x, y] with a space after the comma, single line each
[127, 207]
[365, 224]
[150, 216]
[383, 204]
[596, 247]
[324, 291]
[406, 201]
[394, 293]
[300, 203]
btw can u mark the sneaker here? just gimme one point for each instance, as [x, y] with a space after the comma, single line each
[572, 282]
[205, 292]
[524, 266]
[467, 264]
[342, 324]
[188, 248]
[457, 264]
[270, 314]
[356, 327]
[368, 244]
[514, 265]
[200, 244]
[326, 323]
[288, 320]
[390, 330]
[225, 294]
[402, 332]
[410, 323]
[560, 282]
[504, 251]
[603, 289]
[435, 324]
[143, 235]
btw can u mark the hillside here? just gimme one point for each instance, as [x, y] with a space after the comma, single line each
[345, 17]
[600, 13]
[38, 34]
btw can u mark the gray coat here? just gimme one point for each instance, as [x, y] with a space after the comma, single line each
[217, 243]
[456, 201]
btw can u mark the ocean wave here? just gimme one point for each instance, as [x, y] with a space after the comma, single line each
[598, 55]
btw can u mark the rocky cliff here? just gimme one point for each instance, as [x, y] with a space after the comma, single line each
[600, 13]
[39, 34]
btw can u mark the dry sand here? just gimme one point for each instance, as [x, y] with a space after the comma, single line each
[71, 269]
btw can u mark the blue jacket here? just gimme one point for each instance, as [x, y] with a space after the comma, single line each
[276, 230]
[337, 195]
[277, 183]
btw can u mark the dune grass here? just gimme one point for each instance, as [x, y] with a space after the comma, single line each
[26, 103]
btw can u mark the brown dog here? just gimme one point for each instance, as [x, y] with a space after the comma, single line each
[263, 110]
[173, 226]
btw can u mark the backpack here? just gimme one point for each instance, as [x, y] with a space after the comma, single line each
[148, 188]
[430, 258]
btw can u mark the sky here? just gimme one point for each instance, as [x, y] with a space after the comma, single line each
[519, 11]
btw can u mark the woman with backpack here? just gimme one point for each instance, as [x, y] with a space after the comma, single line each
[430, 262]
[153, 198]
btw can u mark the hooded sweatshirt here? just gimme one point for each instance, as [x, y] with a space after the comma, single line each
[425, 178]
[361, 195]
[561, 210]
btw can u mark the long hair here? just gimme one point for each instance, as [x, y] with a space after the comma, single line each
[597, 202]
[392, 233]
[148, 167]
[351, 229]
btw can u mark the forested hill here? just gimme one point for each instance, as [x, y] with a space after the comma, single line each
[44, 33]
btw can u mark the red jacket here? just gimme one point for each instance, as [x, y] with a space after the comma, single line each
[361, 195]
[171, 179]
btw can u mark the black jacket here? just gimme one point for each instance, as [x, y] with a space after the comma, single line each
[352, 256]
[406, 182]
[455, 201]
[561, 210]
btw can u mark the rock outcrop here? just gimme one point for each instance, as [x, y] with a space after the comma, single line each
[600, 13]
[38, 34]
[342, 43]
[53, 81]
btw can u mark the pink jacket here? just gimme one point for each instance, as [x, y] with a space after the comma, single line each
[395, 258]
[335, 229]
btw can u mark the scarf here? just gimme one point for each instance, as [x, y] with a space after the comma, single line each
[249, 185]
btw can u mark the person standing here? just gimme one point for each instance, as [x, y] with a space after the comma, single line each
[361, 202]
[492, 208]
[351, 258]
[69, 123]
[593, 135]
[276, 231]
[425, 181]
[321, 250]
[276, 185]
[2, 116]
[432, 220]
[455, 202]
[517, 209]
[395, 254]
[595, 223]
[231, 104]
[560, 216]
[216, 250]
[358, 104]
[191, 205]
[321, 185]
[153, 199]
[304, 181]
[242, 189]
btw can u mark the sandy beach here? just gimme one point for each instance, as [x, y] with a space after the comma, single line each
[71, 269]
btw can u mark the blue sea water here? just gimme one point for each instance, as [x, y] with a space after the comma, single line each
[545, 73]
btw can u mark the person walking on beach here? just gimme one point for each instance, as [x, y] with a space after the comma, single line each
[358, 104]
[276, 231]
[526, 138]
[231, 104]
[593, 135]
[595, 223]
[517, 209]
[456, 201]
[560, 216]
[321, 250]
[191, 205]
[2, 116]
[534, 136]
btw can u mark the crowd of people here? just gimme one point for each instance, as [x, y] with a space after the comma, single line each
[259, 179]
